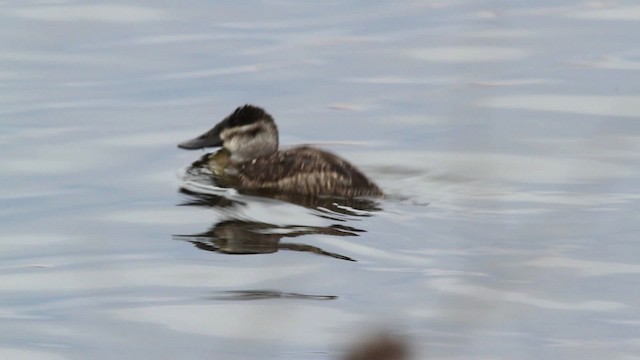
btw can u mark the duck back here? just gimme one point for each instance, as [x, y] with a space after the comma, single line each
[305, 170]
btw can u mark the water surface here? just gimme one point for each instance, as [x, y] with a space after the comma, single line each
[506, 135]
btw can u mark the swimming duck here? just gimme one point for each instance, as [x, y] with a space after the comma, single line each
[250, 159]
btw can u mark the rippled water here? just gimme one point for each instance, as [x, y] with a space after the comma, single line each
[505, 133]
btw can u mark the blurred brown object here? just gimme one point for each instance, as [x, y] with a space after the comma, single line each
[380, 347]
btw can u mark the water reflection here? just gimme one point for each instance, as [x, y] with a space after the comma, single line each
[247, 237]
[266, 294]
[240, 236]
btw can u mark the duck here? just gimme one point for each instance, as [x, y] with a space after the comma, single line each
[250, 159]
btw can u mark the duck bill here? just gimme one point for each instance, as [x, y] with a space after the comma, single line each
[209, 139]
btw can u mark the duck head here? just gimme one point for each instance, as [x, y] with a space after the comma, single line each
[247, 133]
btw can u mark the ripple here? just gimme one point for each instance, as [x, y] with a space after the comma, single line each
[150, 139]
[391, 80]
[501, 34]
[585, 267]
[179, 38]
[489, 294]
[475, 165]
[513, 82]
[52, 159]
[13, 353]
[596, 105]
[270, 322]
[110, 13]
[113, 272]
[616, 13]
[157, 217]
[610, 62]
[468, 54]
[197, 74]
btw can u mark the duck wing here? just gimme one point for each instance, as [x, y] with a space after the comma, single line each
[306, 170]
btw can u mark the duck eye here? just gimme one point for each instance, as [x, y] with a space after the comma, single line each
[253, 132]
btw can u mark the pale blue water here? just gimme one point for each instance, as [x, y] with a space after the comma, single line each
[506, 134]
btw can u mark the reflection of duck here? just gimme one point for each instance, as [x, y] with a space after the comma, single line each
[250, 160]
[235, 236]
[243, 237]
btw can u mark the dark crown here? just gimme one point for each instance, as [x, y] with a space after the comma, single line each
[245, 115]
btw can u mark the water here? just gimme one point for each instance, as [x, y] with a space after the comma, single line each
[506, 135]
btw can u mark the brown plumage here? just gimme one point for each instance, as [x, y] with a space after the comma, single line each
[250, 160]
[305, 170]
